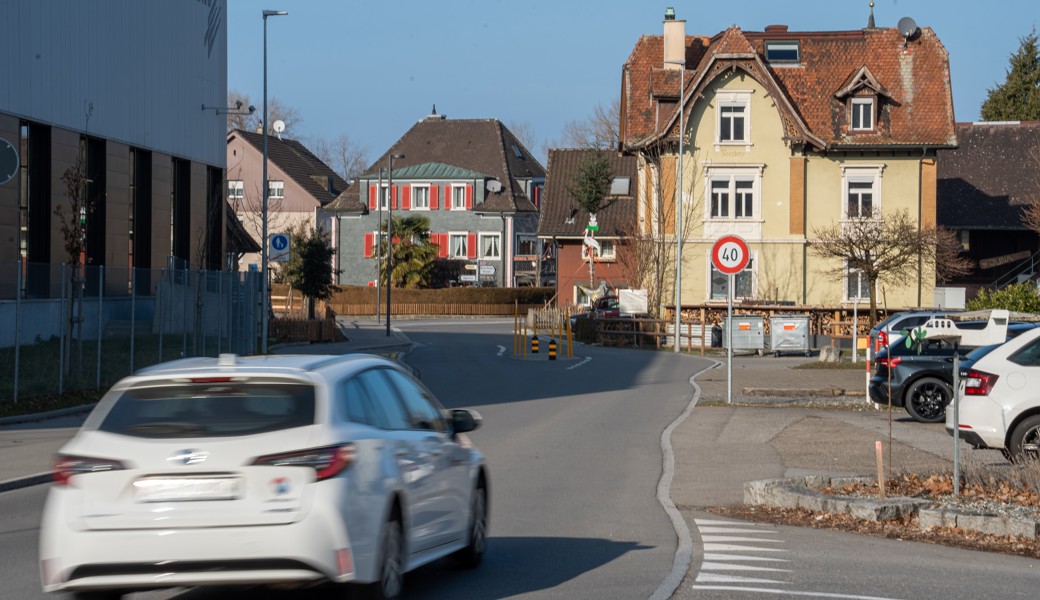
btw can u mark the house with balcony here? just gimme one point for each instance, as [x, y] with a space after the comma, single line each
[299, 185]
[564, 227]
[475, 182]
[782, 133]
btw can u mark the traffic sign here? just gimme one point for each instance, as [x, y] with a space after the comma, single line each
[278, 247]
[9, 162]
[487, 269]
[730, 254]
[470, 267]
[467, 277]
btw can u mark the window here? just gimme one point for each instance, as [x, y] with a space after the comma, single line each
[733, 196]
[782, 52]
[861, 191]
[422, 414]
[743, 282]
[276, 190]
[457, 245]
[458, 197]
[857, 285]
[606, 251]
[384, 197]
[354, 401]
[732, 122]
[1028, 355]
[862, 114]
[390, 412]
[235, 189]
[490, 246]
[526, 246]
[965, 240]
[420, 197]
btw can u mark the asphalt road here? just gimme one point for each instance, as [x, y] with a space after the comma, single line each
[575, 454]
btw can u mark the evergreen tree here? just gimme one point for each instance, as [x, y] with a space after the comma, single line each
[1018, 98]
[591, 183]
[310, 265]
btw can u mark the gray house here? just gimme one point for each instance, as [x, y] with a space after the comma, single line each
[475, 182]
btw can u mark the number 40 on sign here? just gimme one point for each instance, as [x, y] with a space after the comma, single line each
[730, 254]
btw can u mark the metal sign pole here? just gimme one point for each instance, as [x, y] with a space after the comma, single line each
[956, 422]
[729, 340]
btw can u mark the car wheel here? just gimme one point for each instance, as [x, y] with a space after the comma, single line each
[1025, 440]
[391, 563]
[470, 556]
[926, 400]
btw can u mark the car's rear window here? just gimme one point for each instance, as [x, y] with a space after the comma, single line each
[210, 410]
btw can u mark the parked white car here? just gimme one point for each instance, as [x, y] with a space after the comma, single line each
[1000, 399]
[273, 470]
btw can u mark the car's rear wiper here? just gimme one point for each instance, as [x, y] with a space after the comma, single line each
[182, 429]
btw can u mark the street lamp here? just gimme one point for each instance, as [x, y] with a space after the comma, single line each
[379, 242]
[389, 231]
[265, 294]
[678, 205]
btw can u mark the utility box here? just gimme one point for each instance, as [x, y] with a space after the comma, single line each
[947, 298]
[748, 333]
[789, 333]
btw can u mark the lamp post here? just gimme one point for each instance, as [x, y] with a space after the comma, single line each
[379, 241]
[679, 207]
[389, 231]
[265, 294]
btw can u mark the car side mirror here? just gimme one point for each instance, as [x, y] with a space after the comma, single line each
[464, 420]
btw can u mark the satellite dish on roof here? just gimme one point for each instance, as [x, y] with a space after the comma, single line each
[907, 28]
[494, 186]
[279, 127]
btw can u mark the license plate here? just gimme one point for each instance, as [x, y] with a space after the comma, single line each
[185, 489]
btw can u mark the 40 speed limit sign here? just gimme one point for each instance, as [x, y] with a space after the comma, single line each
[730, 254]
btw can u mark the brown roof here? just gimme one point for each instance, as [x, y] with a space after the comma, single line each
[561, 215]
[482, 145]
[987, 181]
[298, 162]
[915, 84]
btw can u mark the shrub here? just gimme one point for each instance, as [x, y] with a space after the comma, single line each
[1019, 297]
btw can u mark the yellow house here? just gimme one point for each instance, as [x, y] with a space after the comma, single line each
[784, 133]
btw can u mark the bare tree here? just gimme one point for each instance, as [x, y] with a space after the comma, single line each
[950, 262]
[524, 131]
[887, 250]
[599, 130]
[246, 121]
[347, 158]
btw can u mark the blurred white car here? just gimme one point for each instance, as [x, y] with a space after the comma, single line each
[280, 470]
[1000, 399]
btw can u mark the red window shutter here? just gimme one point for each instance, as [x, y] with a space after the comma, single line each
[471, 244]
[443, 252]
[393, 198]
[537, 196]
[447, 197]
[469, 197]
[433, 196]
[371, 197]
[406, 197]
[369, 242]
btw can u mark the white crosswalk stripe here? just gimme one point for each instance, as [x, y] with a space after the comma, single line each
[729, 544]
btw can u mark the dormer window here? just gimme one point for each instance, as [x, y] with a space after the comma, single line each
[783, 52]
[862, 114]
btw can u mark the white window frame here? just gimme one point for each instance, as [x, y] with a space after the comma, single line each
[731, 175]
[607, 251]
[384, 197]
[864, 284]
[454, 235]
[425, 188]
[458, 197]
[861, 174]
[751, 271]
[729, 100]
[498, 246]
[521, 239]
[276, 189]
[857, 107]
[236, 189]
[780, 46]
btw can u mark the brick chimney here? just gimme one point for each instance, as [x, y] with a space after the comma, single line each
[674, 39]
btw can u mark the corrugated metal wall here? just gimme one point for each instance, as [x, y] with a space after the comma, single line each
[137, 72]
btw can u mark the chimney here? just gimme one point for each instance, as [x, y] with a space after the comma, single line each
[674, 40]
[434, 116]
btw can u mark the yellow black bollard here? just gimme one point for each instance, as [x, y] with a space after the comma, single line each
[534, 344]
[552, 349]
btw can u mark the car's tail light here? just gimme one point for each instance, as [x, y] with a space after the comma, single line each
[978, 383]
[882, 339]
[327, 462]
[888, 362]
[65, 466]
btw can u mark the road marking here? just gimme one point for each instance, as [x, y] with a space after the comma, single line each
[734, 530]
[501, 350]
[736, 538]
[736, 548]
[713, 566]
[717, 557]
[713, 578]
[583, 361]
[789, 592]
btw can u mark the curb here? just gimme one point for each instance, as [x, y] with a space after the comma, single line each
[801, 493]
[50, 414]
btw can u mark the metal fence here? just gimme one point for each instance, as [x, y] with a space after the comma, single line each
[65, 328]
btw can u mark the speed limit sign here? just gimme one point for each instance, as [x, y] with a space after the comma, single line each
[730, 254]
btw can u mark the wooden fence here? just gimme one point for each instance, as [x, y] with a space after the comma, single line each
[433, 309]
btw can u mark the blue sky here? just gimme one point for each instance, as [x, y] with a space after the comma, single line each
[370, 69]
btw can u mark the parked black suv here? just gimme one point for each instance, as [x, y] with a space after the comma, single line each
[921, 381]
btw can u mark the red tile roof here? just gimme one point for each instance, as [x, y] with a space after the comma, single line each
[917, 112]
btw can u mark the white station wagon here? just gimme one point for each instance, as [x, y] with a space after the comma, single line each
[273, 470]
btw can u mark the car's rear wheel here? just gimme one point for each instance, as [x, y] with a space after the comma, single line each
[470, 556]
[1025, 440]
[926, 400]
[391, 563]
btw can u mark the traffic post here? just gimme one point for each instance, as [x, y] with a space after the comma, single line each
[729, 255]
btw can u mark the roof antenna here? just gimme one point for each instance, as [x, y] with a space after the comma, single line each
[434, 109]
[870, 21]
